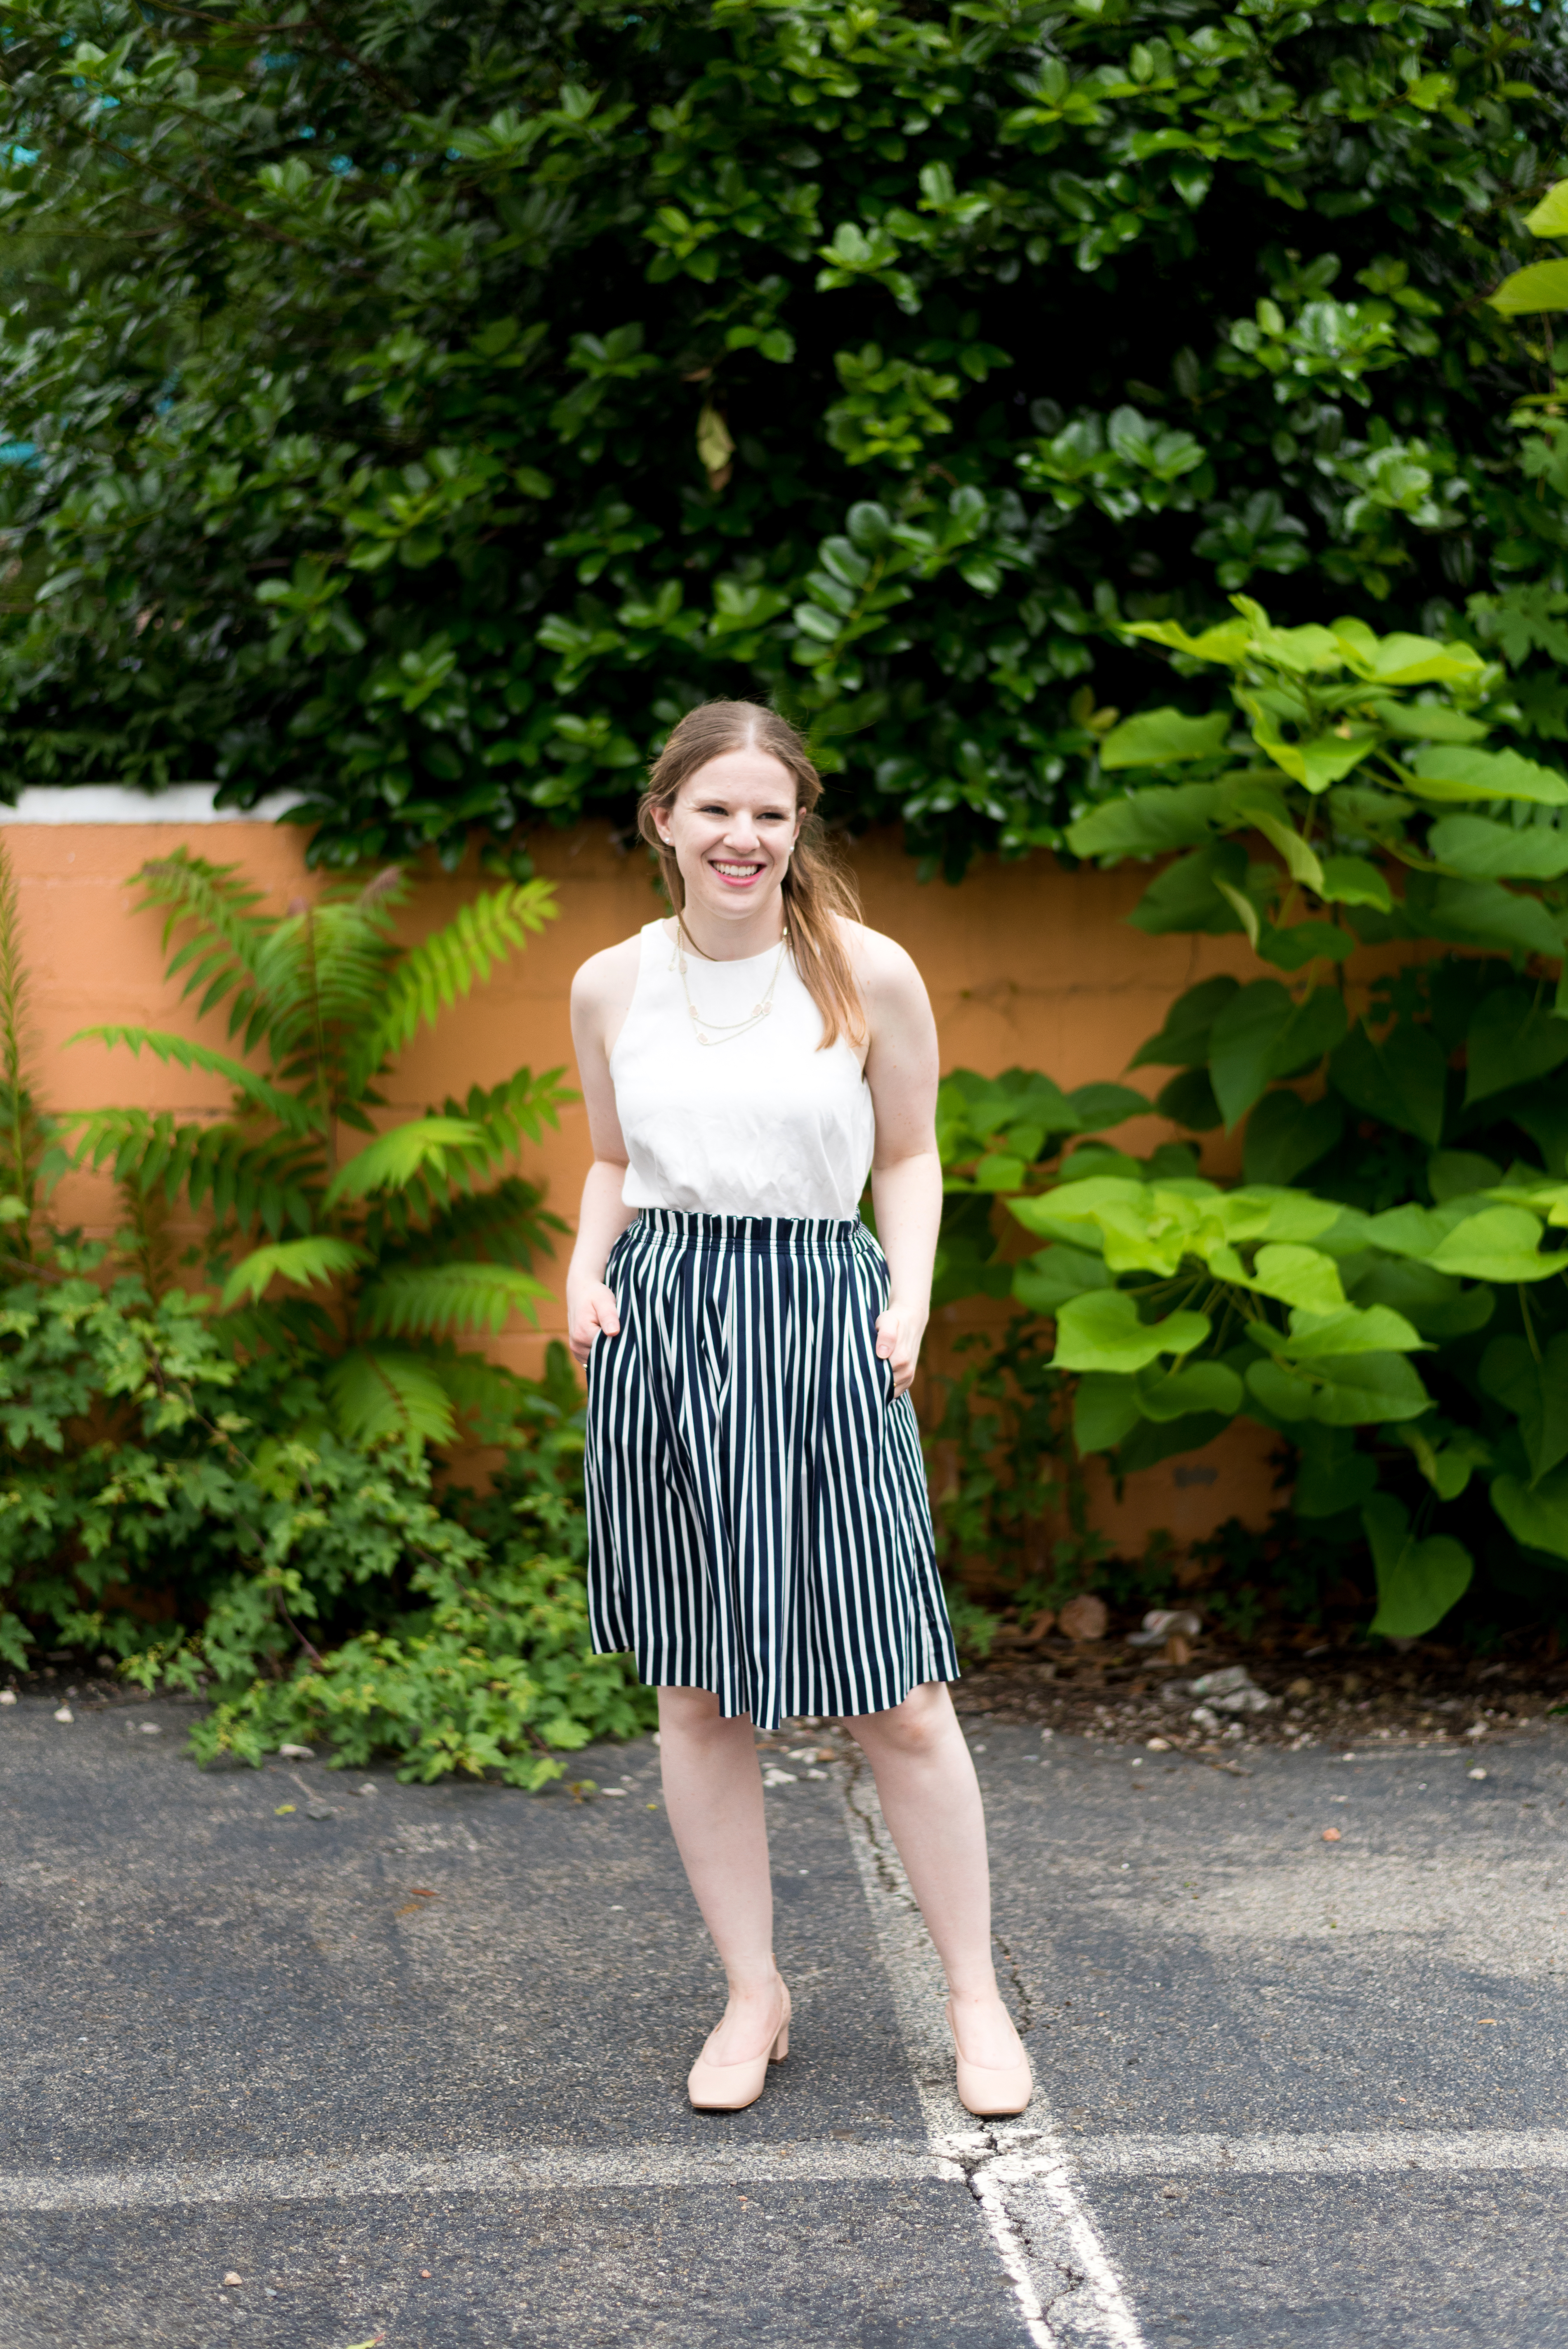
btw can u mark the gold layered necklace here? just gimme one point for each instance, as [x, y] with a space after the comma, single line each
[731, 1028]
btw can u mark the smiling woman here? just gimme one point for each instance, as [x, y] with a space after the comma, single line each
[760, 1539]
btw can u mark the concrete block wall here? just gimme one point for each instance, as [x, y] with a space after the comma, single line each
[1028, 964]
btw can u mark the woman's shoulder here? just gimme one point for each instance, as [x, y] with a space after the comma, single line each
[609, 974]
[878, 962]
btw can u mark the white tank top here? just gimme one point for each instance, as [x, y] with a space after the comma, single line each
[761, 1124]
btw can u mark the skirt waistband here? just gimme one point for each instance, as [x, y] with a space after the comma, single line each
[763, 1235]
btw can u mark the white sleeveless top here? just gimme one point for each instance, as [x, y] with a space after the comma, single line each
[761, 1124]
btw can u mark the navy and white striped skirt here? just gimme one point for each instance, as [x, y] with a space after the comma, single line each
[757, 1517]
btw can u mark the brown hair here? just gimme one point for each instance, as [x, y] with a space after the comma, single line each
[817, 889]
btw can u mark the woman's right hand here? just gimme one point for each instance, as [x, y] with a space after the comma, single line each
[591, 1312]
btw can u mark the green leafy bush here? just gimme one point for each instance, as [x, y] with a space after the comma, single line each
[1385, 1290]
[474, 1653]
[185, 1507]
[418, 412]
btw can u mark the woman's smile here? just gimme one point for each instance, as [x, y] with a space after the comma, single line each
[733, 874]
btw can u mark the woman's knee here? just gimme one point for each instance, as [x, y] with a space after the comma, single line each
[921, 1726]
[692, 1715]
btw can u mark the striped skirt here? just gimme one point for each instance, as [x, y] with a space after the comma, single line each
[757, 1517]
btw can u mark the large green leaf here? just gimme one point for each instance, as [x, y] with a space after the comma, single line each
[1298, 1276]
[1550, 217]
[1285, 1135]
[1537, 1515]
[1436, 1303]
[1341, 1390]
[1340, 1330]
[1483, 851]
[1445, 771]
[1101, 1331]
[1044, 1283]
[1105, 1408]
[1189, 1100]
[1498, 1243]
[1332, 1474]
[1417, 1581]
[1264, 1032]
[1098, 1107]
[1145, 823]
[1185, 897]
[1401, 659]
[1201, 1387]
[1164, 738]
[1481, 914]
[1513, 1038]
[1534, 1388]
[1355, 881]
[1543, 286]
[1401, 1079]
[1183, 1041]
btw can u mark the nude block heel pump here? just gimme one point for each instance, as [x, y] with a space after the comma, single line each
[730, 2087]
[991, 2092]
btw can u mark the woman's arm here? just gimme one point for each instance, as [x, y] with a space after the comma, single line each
[600, 996]
[902, 1070]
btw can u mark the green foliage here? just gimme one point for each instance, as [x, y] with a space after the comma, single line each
[1361, 750]
[185, 1505]
[475, 1657]
[419, 413]
[1386, 1288]
[417, 1234]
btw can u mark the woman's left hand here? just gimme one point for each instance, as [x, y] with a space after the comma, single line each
[900, 1329]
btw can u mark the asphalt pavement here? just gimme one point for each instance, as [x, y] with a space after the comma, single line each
[408, 2062]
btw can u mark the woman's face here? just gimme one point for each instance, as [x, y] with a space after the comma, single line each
[732, 825]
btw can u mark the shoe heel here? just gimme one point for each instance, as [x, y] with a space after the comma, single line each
[780, 2047]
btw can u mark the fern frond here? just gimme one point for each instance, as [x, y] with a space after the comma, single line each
[452, 962]
[274, 1183]
[504, 1116]
[290, 1111]
[393, 1160]
[378, 1396]
[25, 1131]
[447, 1297]
[308, 1263]
[224, 951]
[493, 1398]
[508, 1224]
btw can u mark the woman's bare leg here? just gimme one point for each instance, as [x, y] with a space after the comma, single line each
[713, 1791]
[930, 1800]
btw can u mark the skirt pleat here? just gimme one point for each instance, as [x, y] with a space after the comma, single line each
[758, 1516]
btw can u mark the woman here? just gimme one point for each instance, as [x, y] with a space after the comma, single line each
[759, 1533]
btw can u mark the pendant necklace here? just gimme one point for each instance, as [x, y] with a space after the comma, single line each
[732, 1027]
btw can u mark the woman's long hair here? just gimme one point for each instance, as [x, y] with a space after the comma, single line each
[817, 889]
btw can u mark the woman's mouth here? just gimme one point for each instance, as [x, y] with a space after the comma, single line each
[733, 874]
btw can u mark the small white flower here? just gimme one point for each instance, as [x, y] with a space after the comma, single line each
[65, 1713]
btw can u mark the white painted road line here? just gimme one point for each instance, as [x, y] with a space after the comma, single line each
[1061, 2275]
[542, 2170]
[991, 2161]
[1342, 2154]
